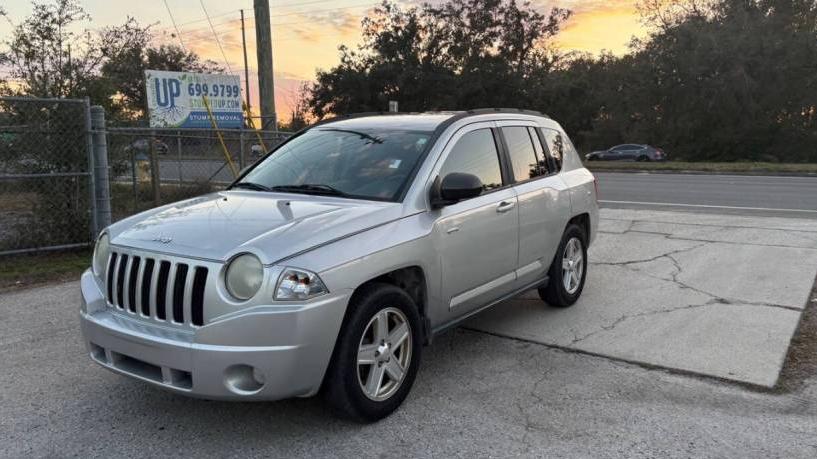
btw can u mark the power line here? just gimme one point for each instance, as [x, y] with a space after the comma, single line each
[291, 13]
[173, 21]
[223, 54]
[362, 5]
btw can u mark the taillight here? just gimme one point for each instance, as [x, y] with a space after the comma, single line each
[596, 186]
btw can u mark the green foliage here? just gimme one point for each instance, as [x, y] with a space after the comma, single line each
[125, 68]
[716, 80]
[48, 57]
[437, 57]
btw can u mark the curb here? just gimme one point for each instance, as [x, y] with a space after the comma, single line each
[697, 172]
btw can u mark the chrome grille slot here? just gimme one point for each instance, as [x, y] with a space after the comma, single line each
[134, 273]
[120, 280]
[161, 290]
[147, 280]
[154, 288]
[178, 292]
[197, 298]
[111, 269]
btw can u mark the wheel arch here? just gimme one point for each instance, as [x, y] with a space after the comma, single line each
[412, 280]
[582, 220]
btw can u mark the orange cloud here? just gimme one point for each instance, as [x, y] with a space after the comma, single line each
[307, 40]
[597, 26]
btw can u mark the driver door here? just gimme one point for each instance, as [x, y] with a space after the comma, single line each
[477, 239]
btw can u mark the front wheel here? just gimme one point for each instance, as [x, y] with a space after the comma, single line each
[568, 271]
[376, 356]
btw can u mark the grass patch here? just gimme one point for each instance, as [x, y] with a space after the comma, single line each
[801, 360]
[683, 166]
[19, 271]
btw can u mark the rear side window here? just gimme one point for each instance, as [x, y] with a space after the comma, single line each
[556, 146]
[542, 166]
[475, 153]
[522, 153]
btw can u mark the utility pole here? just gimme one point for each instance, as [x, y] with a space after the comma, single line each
[263, 44]
[246, 70]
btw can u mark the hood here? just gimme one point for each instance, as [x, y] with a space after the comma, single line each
[271, 225]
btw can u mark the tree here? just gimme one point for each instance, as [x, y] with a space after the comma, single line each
[48, 58]
[125, 67]
[437, 57]
[714, 80]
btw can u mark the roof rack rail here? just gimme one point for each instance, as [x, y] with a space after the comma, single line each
[458, 114]
[479, 111]
[350, 116]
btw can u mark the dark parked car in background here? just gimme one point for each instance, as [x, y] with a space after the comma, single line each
[143, 146]
[628, 152]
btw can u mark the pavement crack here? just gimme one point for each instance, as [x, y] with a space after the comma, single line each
[626, 317]
[647, 260]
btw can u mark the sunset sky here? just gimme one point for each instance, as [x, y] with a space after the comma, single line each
[306, 33]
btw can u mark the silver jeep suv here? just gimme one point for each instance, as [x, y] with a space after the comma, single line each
[330, 263]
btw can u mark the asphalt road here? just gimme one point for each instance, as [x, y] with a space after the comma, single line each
[476, 395]
[724, 194]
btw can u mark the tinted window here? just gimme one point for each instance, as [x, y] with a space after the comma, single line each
[475, 153]
[541, 157]
[555, 145]
[520, 149]
[371, 164]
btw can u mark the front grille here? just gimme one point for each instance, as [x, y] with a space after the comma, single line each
[154, 288]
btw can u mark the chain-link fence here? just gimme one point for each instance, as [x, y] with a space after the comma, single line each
[53, 179]
[46, 186]
[150, 167]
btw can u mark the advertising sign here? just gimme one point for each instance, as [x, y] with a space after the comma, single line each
[176, 99]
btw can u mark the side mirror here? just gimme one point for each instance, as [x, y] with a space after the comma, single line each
[455, 187]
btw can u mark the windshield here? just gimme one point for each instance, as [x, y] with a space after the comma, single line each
[366, 164]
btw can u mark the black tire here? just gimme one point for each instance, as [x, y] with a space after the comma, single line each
[643, 158]
[342, 387]
[555, 293]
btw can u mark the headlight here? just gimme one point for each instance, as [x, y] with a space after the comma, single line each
[244, 276]
[101, 253]
[298, 284]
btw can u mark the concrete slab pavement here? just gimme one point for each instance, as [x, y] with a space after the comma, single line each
[709, 294]
[476, 395]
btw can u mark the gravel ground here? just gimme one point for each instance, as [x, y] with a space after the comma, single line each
[476, 396]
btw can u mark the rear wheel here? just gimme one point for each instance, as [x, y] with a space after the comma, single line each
[376, 356]
[643, 158]
[568, 270]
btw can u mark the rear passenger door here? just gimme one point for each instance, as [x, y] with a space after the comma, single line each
[544, 203]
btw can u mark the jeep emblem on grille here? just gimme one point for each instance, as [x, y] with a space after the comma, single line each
[162, 238]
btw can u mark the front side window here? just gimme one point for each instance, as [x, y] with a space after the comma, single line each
[475, 153]
[523, 156]
[364, 164]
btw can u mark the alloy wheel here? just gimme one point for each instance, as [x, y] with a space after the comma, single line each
[572, 265]
[384, 354]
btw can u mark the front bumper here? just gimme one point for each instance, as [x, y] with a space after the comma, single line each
[266, 352]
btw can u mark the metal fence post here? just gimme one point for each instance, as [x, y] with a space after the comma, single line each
[102, 187]
[154, 171]
[179, 152]
[241, 149]
[94, 226]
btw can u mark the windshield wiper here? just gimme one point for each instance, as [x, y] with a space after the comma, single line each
[250, 186]
[309, 188]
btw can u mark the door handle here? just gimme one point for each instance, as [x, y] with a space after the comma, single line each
[505, 206]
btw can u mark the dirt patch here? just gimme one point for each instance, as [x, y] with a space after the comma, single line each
[801, 360]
